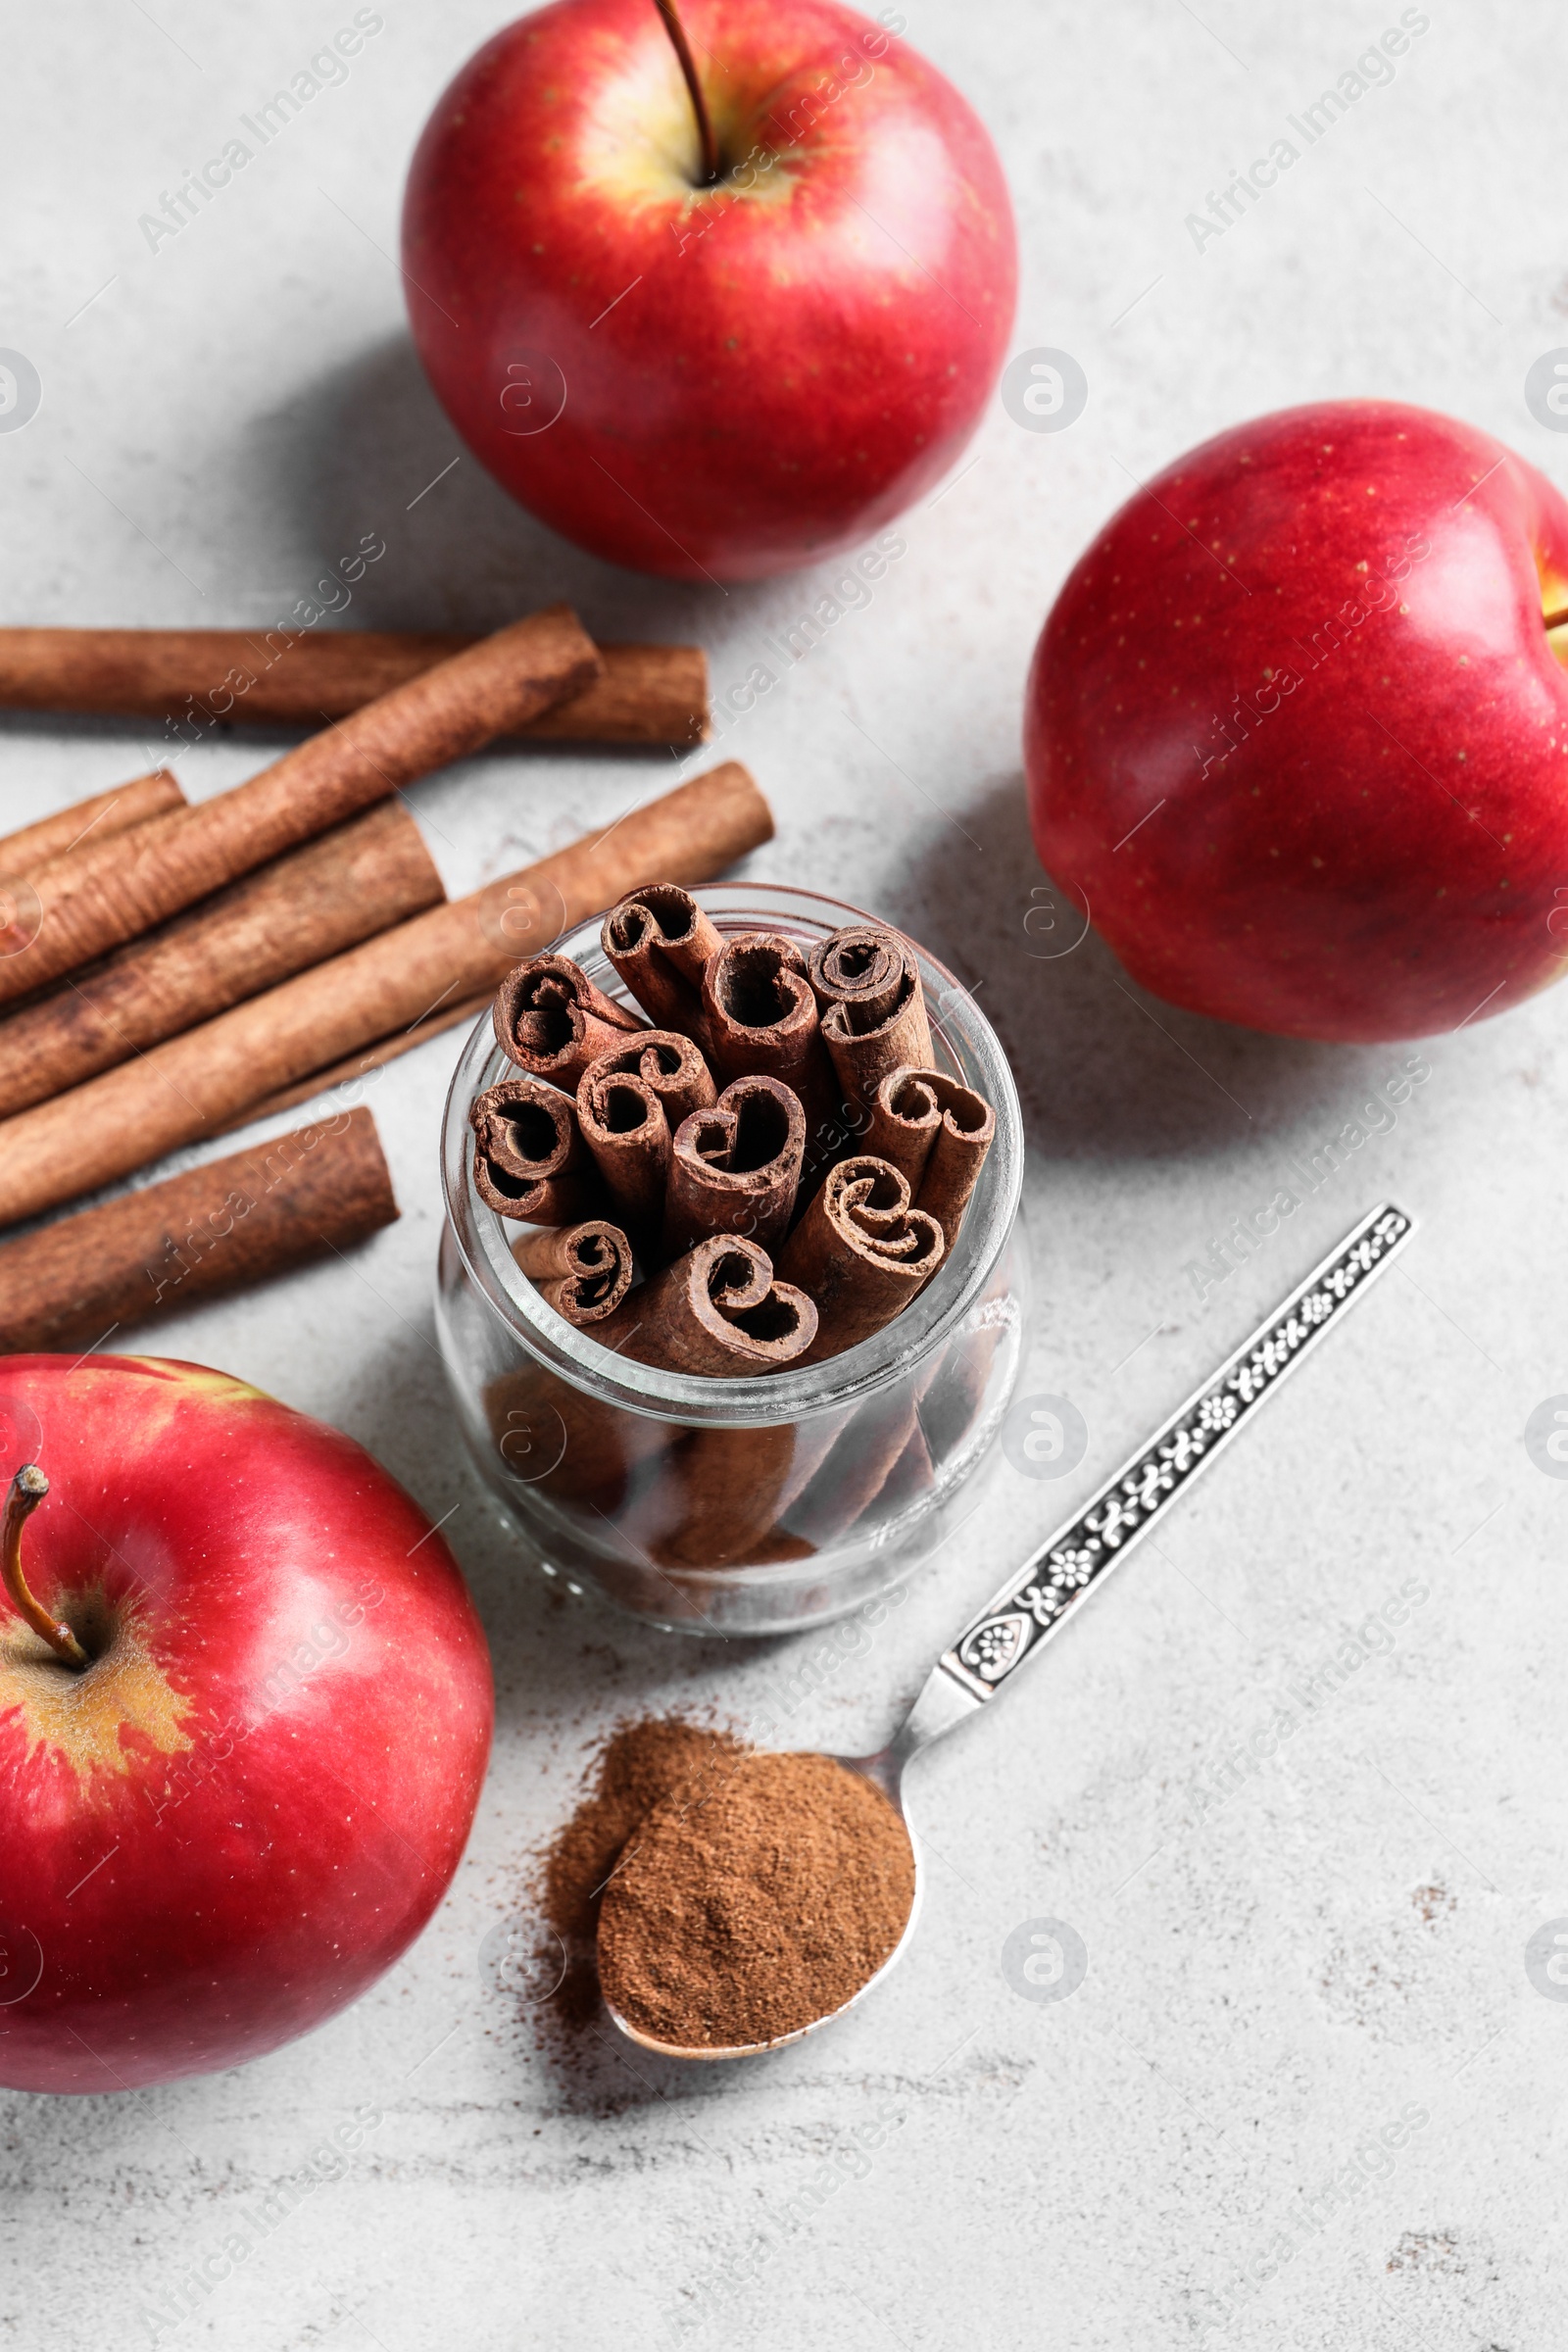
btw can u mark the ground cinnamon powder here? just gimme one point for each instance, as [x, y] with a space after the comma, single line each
[765, 1906]
[736, 1895]
[642, 1766]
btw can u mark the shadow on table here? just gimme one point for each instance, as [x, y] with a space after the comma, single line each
[368, 451]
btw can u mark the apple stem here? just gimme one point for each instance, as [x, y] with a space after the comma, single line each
[27, 1489]
[704, 128]
[1554, 620]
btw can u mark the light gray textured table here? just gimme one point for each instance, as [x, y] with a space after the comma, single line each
[1270, 1978]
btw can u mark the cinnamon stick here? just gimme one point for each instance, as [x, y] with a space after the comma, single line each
[719, 1312]
[94, 819]
[735, 1168]
[191, 1084]
[661, 941]
[868, 983]
[552, 1021]
[668, 1064]
[349, 885]
[216, 1229]
[861, 1251]
[938, 1133]
[761, 1020]
[655, 694]
[529, 1158]
[624, 1127]
[109, 893]
[583, 1271]
[358, 1066]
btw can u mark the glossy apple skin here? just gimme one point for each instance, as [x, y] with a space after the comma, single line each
[1383, 852]
[221, 1845]
[792, 365]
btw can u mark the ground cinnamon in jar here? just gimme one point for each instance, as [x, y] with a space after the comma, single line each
[765, 1905]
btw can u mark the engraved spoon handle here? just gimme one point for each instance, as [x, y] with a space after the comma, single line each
[1038, 1599]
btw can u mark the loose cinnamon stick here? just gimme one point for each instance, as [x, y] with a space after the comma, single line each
[719, 1312]
[243, 677]
[583, 1271]
[213, 1230]
[761, 1020]
[552, 1021]
[106, 894]
[938, 1133]
[736, 1167]
[348, 886]
[359, 1066]
[190, 1086]
[861, 1251]
[624, 1127]
[660, 942]
[529, 1158]
[868, 983]
[94, 819]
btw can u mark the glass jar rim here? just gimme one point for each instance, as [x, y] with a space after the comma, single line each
[961, 1035]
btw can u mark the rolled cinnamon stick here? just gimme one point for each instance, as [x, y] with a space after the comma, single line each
[761, 1020]
[552, 1021]
[529, 1158]
[109, 893]
[583, 1271]
[191, 1084]
[94, 819]
[719, 1312]
[630, 1101]
[660, 942]
[213, 1230]
[938, 1133]
[736, 1167]
[668, 1064]
[861, 1251]
[624, 1127]
[248, 677]
[348, 886]
[868, 983]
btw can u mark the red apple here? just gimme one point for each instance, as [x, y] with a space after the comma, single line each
[709, 382]
[251, 1798]
[1296, 730]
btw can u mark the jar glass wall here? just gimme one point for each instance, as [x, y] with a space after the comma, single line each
[738, 1506]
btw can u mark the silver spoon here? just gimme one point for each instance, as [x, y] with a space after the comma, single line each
[1037, 1599]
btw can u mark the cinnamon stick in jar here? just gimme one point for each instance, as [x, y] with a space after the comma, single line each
[95, 819]
[624, 1127]
[862, 1250]
[109, 893]
[530, 1159]
[190, 1086]
[348, 886]
[216, 1229]
[646, 693]
[736, 1167]
[583, 1271]
[662, 942]
[719, 1312]
[552, 1021]
[938, 1132]
[868, 983]
[761, 1020]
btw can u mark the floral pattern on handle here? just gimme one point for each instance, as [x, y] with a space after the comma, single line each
[1065, 1568]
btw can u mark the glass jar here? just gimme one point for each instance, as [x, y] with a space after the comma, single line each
[738, 1506]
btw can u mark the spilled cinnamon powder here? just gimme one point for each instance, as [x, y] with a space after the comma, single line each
[737, 1895]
